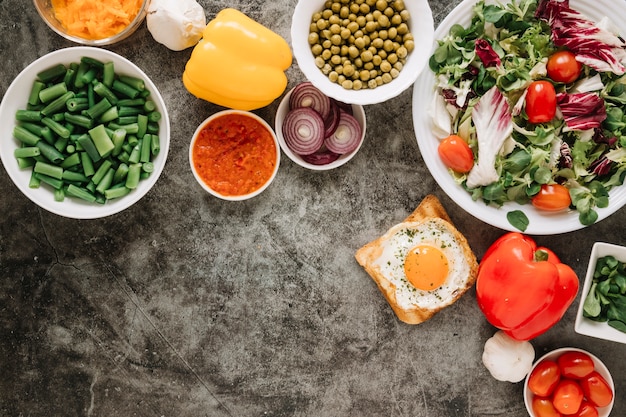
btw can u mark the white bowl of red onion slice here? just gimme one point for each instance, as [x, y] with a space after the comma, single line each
[316, 131]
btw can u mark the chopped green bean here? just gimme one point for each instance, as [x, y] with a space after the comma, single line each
[154, 116]
[24, 163]
[28, 115]
[57, 104]
[132, 179]
[74, 176]
[108, 73]
[50, 152]
[24, 136]
[33, 99]
[87, 163]
[34, 128]
[99, 108]
[120, 173]
[54, 91]
[135, 154]
[118, 137]
[109, 115]
[145, 154]
[79, 120]
[147, 167]
[52, 73]
[101, 139]
[116, 192]
[149, 106]
[142, 125]
[155, 145]
[54, 182]
[56, 127]
[87, 144]
[71, 161]
[77, 104]
[81, 193]
[125, 89]
[106, 181]
[59, 195]
[50, 170]
[27, 152]
[101, 171]
[103, 91]
[34, 180]
[134, 82]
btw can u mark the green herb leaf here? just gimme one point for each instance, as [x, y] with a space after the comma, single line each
[518, 219]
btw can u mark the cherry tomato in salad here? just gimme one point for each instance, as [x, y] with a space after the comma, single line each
[575, 364]
[586, 410]
[596, 389]
[456, 154]
[567, 397]
[552, 197]
[540, 102]
[544, 378]
[543, 407]
[563, 68]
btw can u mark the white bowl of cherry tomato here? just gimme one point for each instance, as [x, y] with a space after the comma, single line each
[569, 382]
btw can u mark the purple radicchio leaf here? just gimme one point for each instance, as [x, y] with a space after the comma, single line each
[601, 166]
[487, 55]
[581, 111]
[600, 137]
[593, 46]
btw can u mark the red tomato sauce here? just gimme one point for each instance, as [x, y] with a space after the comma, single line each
[234, 155]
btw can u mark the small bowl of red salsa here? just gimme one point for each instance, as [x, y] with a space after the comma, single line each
[234, 155]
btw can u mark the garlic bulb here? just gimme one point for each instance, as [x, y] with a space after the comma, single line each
[177, 24]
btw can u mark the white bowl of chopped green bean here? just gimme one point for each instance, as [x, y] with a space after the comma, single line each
[362, 52]
[86, 132]
[602, 308]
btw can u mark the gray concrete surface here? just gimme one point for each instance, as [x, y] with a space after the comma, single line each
[188, 306]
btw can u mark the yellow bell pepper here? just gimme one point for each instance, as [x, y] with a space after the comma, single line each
[238, 63]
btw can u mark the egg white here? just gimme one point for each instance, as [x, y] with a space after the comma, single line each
[399, 240]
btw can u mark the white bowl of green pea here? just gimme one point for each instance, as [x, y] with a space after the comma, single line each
[86, 132]
[362, 52]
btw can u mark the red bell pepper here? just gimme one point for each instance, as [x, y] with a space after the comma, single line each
[523, 289]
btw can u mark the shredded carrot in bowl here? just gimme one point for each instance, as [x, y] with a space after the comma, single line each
[89, 19]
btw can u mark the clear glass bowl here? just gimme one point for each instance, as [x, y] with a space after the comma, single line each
[46, 12]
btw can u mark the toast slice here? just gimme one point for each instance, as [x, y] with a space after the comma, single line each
[429, 213]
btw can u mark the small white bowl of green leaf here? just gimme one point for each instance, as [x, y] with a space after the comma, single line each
[602, 309]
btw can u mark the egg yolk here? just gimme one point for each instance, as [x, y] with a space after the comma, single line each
[426, 267]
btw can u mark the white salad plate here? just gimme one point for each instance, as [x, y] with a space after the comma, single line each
[540, 222]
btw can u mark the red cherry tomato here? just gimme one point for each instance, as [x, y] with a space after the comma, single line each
[563, 68]
[544, 378]
[540, 102]
[552, 197]
[596, 389]
[543, 407]
[456, 154]
[586, 410]
[575, 364]
[567, 397]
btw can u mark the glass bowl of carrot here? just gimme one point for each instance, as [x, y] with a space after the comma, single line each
[93, 23]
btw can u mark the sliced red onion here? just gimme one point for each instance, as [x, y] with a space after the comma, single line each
[344, 106]
[306, 94]
[322, 157]
[332, 121]
[303, 130]
[347, 136]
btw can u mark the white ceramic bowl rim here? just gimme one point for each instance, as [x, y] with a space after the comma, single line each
[283, 108]
[209, 189]
[16, 97]
[421, 25]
